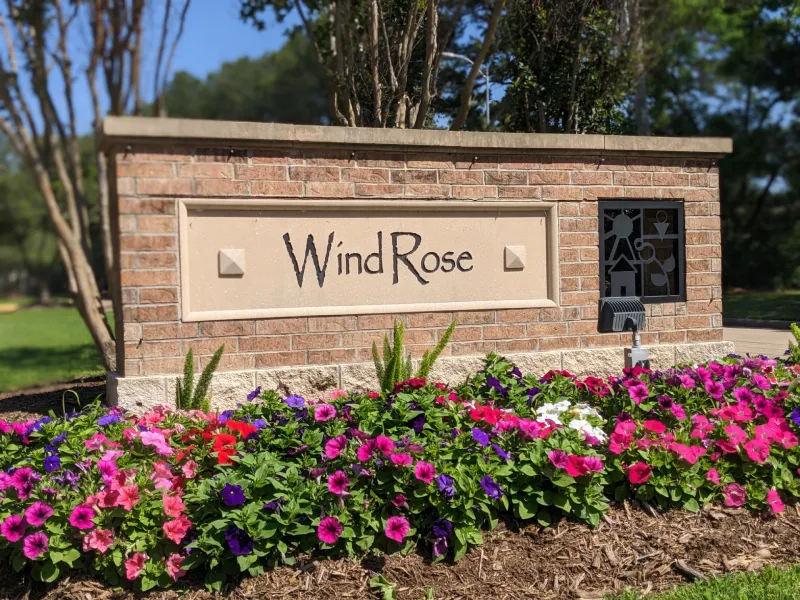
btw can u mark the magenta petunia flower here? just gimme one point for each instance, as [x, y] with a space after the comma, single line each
[335, 446]
[559, 458]
[424, 471]
[81, 517]
[329, 530]
[338, 482]
[715, 389]
[402, 459]
[639, 393]
[366, 450]
[774, 501]
[13, 528]
[654, 426]
[735, 495]
[713, 476]
[757, 450]
[35, 545]
[397, 528]
[639, 473]
[38, 513]
[324, 412]
[384, 444]
[593, 464]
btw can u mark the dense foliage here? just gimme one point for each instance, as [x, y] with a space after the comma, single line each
[147, 499]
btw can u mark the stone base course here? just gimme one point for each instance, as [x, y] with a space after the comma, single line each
[139, 394]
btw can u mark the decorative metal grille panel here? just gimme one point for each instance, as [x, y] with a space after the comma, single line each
[642, 246]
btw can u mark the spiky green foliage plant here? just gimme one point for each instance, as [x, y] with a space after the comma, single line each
[395, 366]
[189, 397]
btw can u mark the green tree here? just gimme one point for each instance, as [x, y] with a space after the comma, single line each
[286, 86]
[730, 69]
[566, 64]
[381, 59]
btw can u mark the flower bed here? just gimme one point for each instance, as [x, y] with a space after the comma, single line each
[146, 499]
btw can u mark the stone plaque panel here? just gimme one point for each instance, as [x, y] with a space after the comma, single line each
[335, 257]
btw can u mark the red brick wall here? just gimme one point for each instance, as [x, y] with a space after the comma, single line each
[149, 179]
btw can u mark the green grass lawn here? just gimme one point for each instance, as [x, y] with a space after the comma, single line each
[781, 306]
[770, 584]
[44, 346]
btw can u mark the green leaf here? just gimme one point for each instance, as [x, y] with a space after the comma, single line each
[48, 572]
[691, 505]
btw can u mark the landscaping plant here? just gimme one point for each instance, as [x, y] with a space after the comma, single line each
[189, 397]
[396, 365]
[143, 500]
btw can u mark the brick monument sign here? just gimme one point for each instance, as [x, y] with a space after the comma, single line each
[296, 247]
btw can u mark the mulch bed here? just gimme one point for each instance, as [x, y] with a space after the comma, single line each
[632, 548]
[33, 403]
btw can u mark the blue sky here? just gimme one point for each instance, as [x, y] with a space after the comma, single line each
[214, 34]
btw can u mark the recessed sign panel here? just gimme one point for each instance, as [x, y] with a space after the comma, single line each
[241, 259]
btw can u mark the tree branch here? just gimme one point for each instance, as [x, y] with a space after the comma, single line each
[488, 40]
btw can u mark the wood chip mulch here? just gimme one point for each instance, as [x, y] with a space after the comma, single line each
[632, 548]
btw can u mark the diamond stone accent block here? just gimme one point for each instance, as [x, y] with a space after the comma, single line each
[231, 262]
[515, 257]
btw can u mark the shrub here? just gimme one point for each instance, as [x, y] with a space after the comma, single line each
[146, 499]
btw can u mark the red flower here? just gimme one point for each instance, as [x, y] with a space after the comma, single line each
[224, 455]
[654, 426]
[552, 373]
[487, 414]
[245, 430]
[223, 440]
[639, 473]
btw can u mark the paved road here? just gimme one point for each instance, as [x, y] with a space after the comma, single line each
[772, 342]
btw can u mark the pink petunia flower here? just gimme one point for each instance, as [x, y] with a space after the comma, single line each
[189, 469]
[13, 528]
[735, 495]
[384, 444]
[401, 459]
[774, 501]
[81, 517]
[98, 539]
[324, 412]
[639, 473]
[38, 513]
[691, 454]
[35, 544]
[174, 563]
[329, 530]
[397, 528]
[736, 435]
[757, 449]
[575, 466]
[128, 496]
[654, 426]
[338, 482]
[424, 471]
[177, 528]
[173, 505]
[335, 446]
[713, 476]
[134, 565]
[400, 501]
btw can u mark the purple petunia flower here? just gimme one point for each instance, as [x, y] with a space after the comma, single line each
[491, 487]
[254, 394]
[239, 542]
[418, 423]
[795, 416]
[260, 424]
[59, 439]
[480, 436]
[446, 486]
[494, 384]
[225, 416]
[232, 495]
[442, 528]
[295, 401]
[275, 505]
[108, 419]
[501, 453]
[52, 463]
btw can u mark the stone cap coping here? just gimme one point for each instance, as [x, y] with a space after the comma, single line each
[238, 133]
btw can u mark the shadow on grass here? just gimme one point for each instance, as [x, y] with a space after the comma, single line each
[31, 365]
[762, 305]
